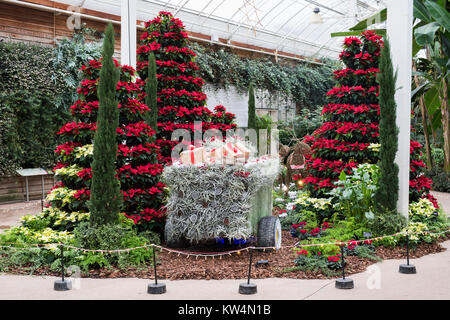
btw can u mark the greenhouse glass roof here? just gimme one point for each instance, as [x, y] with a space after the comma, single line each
[282, 25]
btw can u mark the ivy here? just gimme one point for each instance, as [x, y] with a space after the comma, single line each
[305, 84]
[37, 88]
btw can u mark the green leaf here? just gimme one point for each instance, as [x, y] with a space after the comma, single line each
[417, 92]
[436, 119]
[421, 12]
[425, 34]
[439, 14]
[433, 104]
[342, 176]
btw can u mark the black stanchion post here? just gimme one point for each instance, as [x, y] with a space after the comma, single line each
[344, 283]
[248, 288]
[156, 288]
[250, 266]
[154, 266]
[407, 268]
[63, 284]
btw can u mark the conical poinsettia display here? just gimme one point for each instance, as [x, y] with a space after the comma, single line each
[138, 167]
[350, 135]
[181, 101]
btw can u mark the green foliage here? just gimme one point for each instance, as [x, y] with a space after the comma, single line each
[9, 139]
[251, 124]
[441, 179]
[315, 264]
[106, 198]
[306, 84]
[438, 156]
[425, 223]
[386, 222]
[297, 216]
[305, 123]
[69, 55]
[354, 195]
[37, 87]
[346, 230]
[110, 237]
[321, 207]
[386, 194]
[361, 250]
[27, 132]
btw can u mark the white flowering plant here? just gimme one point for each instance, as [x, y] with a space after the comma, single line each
[423, 211]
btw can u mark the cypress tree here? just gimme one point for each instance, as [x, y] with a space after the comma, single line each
[106, 198]
[151, 89]
[251, 108]
[387, 194]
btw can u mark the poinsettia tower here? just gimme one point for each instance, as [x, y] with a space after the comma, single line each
[350, 135]
[138, 166]
[181, 101]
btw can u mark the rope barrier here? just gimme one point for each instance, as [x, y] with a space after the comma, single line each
[210, 254]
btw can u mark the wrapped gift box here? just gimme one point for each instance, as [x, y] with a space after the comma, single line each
[245, 151]
[192, 155]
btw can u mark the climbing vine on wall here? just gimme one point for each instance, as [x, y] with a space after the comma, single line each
[304, 83]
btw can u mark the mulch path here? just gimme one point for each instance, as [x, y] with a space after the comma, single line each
[178, 267]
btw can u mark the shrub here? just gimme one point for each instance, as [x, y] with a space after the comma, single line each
[108, 237]
[316, 263]
[441, 179]
[386, 222]
[321, 207]
[355, 192]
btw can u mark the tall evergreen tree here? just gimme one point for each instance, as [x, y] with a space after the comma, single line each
[180, 97]
[387, 193]
[151, 89]
[106, 198]
[251, 108]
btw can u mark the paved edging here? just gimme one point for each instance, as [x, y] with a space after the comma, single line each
[432, 281]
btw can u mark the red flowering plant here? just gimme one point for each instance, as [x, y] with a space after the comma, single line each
[350, 133]
[137, 166]
[361, 248]
[320, 257]
[180, 98]
[334, 262]
[304, 231]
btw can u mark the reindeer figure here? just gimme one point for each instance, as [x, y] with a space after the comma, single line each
[294, 160]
